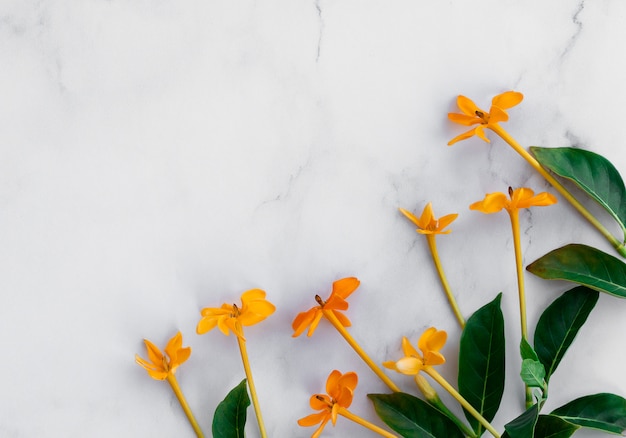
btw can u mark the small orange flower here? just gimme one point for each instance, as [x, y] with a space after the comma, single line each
[254, 308]
[336, 302]
[427, 224]
[340, 391]
[160, 367]
[472, 115]
[431, 341]
[519, 198]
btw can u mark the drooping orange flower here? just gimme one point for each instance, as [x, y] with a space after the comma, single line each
[230, 317]
[431, 341]
[160, 366]
[519, 198]
[339, 394]
[336, 302]
[472, 115]
[427, 224]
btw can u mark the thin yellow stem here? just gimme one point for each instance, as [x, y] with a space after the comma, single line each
[432, 244]
[454, 393]
[330, 316]
[171, 379]
[514, 215]
[350, 416]
[253, 395]
[559, 187]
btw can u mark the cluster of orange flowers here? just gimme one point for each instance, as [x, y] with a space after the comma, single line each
[340, 387]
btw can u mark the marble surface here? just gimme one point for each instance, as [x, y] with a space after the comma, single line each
[160, 157]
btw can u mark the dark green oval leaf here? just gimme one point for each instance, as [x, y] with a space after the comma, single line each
[559, 324]
[604, 411]
[412, 417]
[481, 362]
[549, 426]
[591, 172]
[229, 420]
[524, 425]
[585, 265]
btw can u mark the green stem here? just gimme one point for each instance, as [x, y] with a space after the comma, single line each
[619, 246]
[454, 393]
[171, 379]
[350, 416]
[253, 395]
[330, 316]
[432, 244]
[514, 215]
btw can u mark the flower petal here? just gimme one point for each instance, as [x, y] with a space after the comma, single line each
[303, 320]
[313, 419]
[319, 401]
[432, 340]
[480, 131]
[463, 119]
[467, 106]
[206, 324]
[344, 287]
[174, 345]
[154, 354]
[434, 358]
[251, 295]
[409, 365]
[408, 349]
[445, 221]
[493, 203]
[507, 100]
[314, 323]
[410, 216]
[463, 136]
[343, 319]
[331, 382]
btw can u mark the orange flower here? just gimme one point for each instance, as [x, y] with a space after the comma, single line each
[339, 389]
[160, 367]
[431, 341]
[427, 224]
[254, 308]
[336, 302]
[519, 198]
[472, 115]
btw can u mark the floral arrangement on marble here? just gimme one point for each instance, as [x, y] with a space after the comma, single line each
[481, 367]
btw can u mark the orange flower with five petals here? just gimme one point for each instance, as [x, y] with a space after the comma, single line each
[342, 289]
[230, 317]
[161, 366]
[340, 390]
[472, 115]
[519, 198]
[427, 224]
[431, 341]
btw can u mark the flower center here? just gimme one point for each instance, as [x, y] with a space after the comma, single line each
[484, 117]
[320, 301]
[236, 312]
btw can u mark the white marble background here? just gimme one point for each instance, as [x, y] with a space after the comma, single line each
[158, 157]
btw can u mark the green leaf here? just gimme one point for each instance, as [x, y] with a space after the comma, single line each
[604, 411]
[524, 425]
[229, 420]
[481, 362]
[533, 373]
[559, 324]
[412, 417]
[592, 173]
[585, 265]
[549, 426]
[527, 351]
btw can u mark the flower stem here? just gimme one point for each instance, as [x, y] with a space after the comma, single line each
[454, 393]
[432, 244]
[619, 246]
[350, 416]
[432, 397]
[514, 215]
[253, 395]
[330, 316]
[171, 379]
